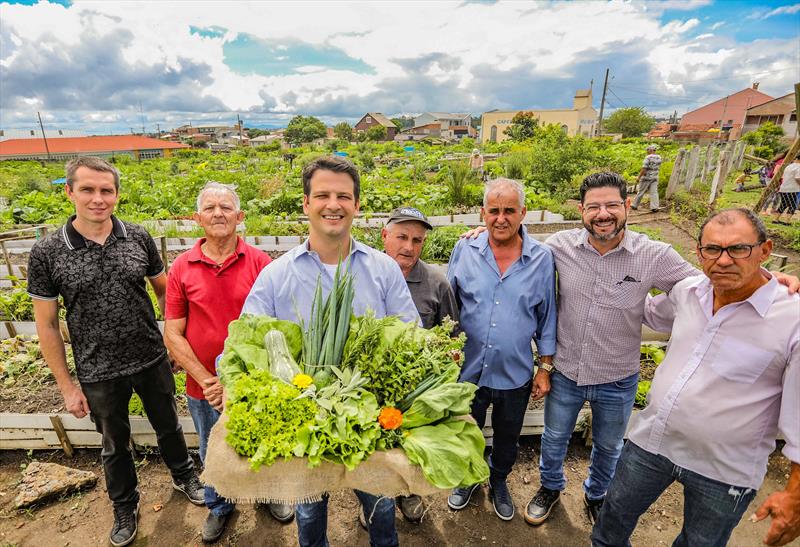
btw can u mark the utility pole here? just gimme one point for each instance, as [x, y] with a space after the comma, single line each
[141, 116]
[602, 105]
[722, 121]
[241, 138]
[158, 127]
[47, 148]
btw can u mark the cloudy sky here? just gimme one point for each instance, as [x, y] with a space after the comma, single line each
[109, 66]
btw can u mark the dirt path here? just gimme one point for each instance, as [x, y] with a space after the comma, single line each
[85, 519]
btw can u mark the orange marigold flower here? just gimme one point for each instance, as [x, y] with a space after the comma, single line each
[390, 418]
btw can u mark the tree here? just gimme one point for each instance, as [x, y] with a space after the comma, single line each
[766, 139]
[343, 131]
[304, 129]
[631, 122]
[523, 126]
[376, 133]
[254, 132]
[403, 122]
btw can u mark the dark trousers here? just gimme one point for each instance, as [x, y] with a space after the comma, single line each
[508, 413]
[108, 403]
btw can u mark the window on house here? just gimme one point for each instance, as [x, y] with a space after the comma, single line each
[564, 129]
[32, 133]
[60, 132]
[493, 134]
[368, 120]
[793, 117]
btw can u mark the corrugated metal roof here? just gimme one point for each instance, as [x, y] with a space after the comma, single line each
[85, 145]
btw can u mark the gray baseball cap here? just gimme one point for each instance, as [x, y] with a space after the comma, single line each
[405, 214]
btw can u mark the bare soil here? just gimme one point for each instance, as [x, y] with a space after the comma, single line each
[168, 519]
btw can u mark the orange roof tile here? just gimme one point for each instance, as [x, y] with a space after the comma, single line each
[84, 145]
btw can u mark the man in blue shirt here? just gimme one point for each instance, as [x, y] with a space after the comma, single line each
[285, 288]
[504, 282]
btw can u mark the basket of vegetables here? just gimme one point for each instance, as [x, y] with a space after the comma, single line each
[342, 402]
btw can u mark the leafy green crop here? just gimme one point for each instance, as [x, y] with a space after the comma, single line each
[264, 416]
[641, 393]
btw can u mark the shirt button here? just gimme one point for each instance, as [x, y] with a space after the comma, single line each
[490, 346]
[496, 301]
[494, 324]
[485, 366]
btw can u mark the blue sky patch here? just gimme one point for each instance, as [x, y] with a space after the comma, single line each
[248, 54]
[742, 20]
[208, 32]
[65, 3]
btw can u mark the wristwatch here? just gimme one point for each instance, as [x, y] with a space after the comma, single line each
[547, 367]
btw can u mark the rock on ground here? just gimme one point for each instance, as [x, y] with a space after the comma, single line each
[41, 481]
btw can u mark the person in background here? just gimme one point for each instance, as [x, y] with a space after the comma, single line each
[773, 200]
[476, 163]
[403, 239]
[285, 288]
[98, 265]
[788, 192]
[206, 289]
[504, 282]
[648, 179]
[736, 342]
[741, 180]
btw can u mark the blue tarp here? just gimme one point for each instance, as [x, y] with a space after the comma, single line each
[408, 148]
[342, 154]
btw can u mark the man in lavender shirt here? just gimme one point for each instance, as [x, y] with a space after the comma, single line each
[729, 384]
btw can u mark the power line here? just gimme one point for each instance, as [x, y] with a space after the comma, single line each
[617, 97]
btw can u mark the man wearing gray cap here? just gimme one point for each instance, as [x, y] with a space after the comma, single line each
[403, 238]
[648, 179]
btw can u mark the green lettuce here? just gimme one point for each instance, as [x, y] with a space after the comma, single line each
[450, 453]
[440, 402]
[244, 347]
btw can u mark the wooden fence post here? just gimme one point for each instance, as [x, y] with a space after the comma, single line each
[8, 260]
[674, 178]
[719, 176]
[164, 255]
[708, 161]
[694, 160]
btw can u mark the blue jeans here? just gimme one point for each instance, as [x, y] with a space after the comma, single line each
[711, 509]
[611, 405]
[312, 521]
[204, 417]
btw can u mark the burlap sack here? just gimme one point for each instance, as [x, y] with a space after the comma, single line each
[384, 473]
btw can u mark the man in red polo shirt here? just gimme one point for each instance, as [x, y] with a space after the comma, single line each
[206, 289]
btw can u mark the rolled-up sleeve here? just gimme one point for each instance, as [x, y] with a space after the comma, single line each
[659, 312]
[789, 421]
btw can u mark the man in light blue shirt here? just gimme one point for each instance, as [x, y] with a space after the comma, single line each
[504, 282]
[285, 288]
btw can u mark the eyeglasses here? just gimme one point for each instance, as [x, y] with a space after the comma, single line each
[740, 250]
[611, 207]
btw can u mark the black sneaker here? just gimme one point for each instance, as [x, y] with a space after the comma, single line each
[125, 525]
[501, 499]
[593, 508]
[411, 507]
[192, 487]
[281, 512]
[541, 505]
[460, 497]
[214, 527]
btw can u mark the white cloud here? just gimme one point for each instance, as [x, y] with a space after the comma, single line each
[782, 10]
[434, 55]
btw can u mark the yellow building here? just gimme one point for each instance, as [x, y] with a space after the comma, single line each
[581, 119]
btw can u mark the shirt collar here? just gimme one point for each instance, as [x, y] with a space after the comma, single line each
[482, 242]
[75, 240]
[355, 247]
[195, 254]
[761, 300]
[415, 275]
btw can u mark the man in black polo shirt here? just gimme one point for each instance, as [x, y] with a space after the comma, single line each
[97, 264]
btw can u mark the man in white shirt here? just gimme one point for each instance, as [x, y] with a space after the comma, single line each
[788, 191]
[729, 384]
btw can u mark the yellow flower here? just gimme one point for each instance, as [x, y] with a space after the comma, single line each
[302, 381]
